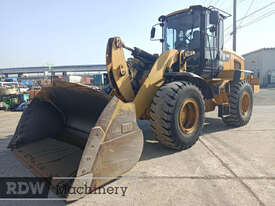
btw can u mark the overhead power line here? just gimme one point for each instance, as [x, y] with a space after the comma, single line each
[264, 16]
[210, 2]
[252, 13]
[254, 21]
[246, 13]
[217, 2]
[256, 11]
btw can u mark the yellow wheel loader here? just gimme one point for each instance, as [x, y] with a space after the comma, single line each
[70, 130]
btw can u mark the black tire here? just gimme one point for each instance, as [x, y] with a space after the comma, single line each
[166, 108]
[237, 116]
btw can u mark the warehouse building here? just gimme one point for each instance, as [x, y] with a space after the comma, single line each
[262, 62]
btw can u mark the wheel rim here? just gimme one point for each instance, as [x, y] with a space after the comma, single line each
[245, 103]
[189, 116]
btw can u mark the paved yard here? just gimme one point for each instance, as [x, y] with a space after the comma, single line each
[225, 167]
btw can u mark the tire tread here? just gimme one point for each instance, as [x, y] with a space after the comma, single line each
[162, 113]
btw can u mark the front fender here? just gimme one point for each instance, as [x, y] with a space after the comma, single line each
[154, 80]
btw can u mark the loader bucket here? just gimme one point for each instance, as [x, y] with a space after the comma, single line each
[70, 130]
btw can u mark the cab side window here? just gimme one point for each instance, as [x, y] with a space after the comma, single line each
[211, 46]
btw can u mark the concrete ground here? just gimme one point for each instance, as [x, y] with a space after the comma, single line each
[227, 166]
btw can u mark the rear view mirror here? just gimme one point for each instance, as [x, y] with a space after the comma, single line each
[214, 17]
[153, 31]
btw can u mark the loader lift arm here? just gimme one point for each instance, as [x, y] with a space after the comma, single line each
[119, 76]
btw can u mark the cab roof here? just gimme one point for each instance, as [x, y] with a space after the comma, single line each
[198, 7]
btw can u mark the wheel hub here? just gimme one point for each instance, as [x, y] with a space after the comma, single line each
[189, 116]
[245, 103]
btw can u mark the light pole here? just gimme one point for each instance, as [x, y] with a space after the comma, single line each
[49, 70]
[234, 24]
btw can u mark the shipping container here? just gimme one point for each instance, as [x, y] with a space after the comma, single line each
[98, 79]
[73, 79]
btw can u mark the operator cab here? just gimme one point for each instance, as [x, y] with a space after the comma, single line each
[197, 29]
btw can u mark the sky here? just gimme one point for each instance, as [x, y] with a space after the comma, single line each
[75, 32]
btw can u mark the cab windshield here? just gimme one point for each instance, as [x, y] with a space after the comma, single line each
[182, 31]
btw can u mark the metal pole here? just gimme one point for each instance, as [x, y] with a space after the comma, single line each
[234, 24]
